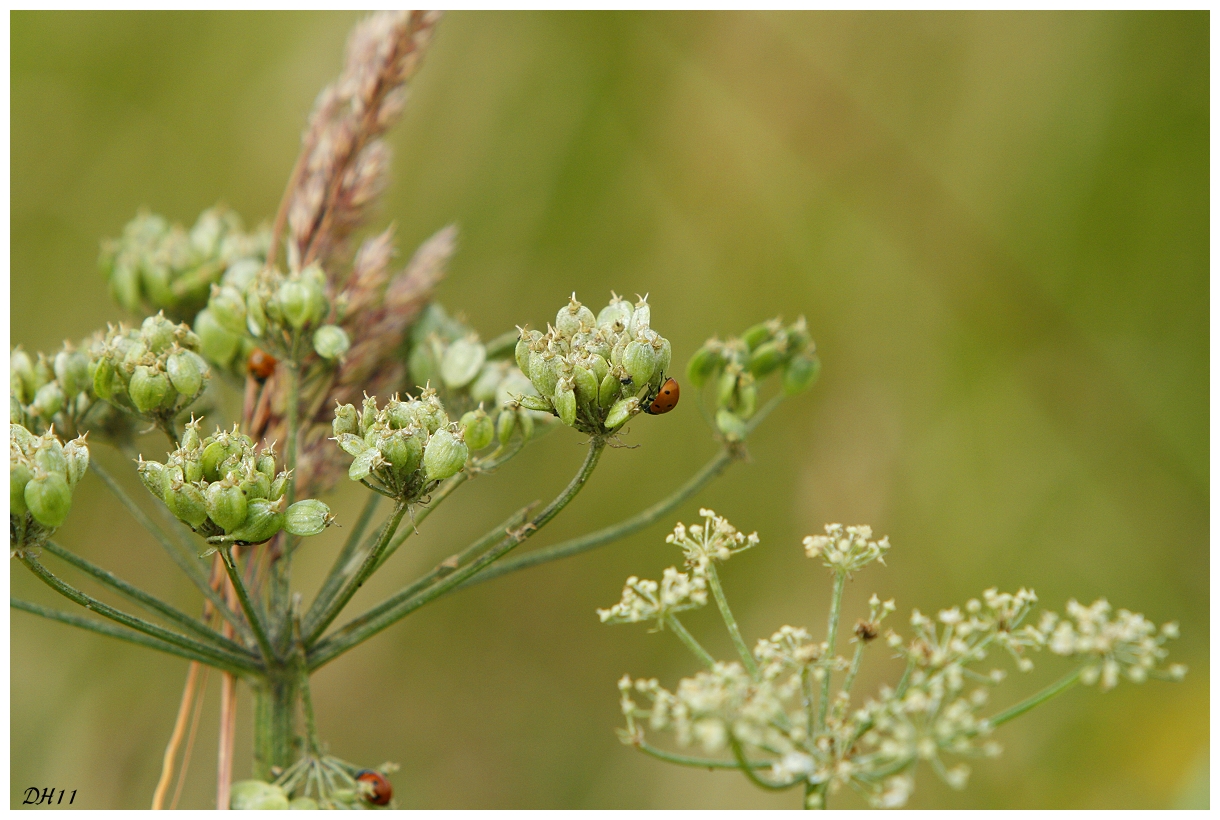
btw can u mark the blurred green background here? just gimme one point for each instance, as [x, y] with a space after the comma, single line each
[996, 224]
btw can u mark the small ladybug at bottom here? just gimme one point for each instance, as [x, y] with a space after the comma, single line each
[666, 398]
[380, 791]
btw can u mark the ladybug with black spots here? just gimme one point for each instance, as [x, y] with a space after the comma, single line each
[379, 789]
[666, 398]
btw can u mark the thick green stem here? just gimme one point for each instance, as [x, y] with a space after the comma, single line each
[274, 724]
[722, 603]
[248, 607]
[149, 602]
[689, 641]
[1055, 689]
[332, 649]
[331, 611]
[832, 628]
[219, 658]
[123, 634]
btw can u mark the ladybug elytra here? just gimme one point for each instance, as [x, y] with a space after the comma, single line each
[380, 790]
[666, 398]
[261, 364]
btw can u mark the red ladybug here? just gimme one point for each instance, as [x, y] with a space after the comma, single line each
[261, 364]
[381, 790]
[666, 398]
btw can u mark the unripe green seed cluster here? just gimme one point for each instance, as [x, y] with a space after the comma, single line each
[404, 448]
[252, 306]
[158, 266]
[226, 490]
[736, 366]
[594, 372]
[154, 371]
[43, 472]
[45, 391]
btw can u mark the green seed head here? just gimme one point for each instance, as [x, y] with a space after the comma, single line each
[608, 391]
[187, 371]
[72, 371]
[640, 360]
[622, 410]
[187, 502]
[345, 421]
[217, 343]
[477, 429]
[21, 374]
[157, 333]
[444, 456]
[768, 357]
[617, 311]
[226, 505]
[331, 342]
[295, 301]
[574, 316]
[76, 454]
[19, 474]
[247, 795]
[461, 362]
[104, 379]
[703, 365]
[522, 351]
[565, 402]
[543, 373]
[149, 389]
[228, 307]
[48, 401]
[48, 498]
[49, 455]
[307, 517]
[403, 450]
[151, 474]
[801, 373]
[506, 423]
[256, 316]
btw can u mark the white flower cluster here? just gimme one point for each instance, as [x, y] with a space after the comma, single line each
[645, 600]
[713, 540]
[964, 637]
[846, 549]
[1127, 644]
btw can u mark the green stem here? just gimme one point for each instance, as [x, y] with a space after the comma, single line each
[1057, 688]
[713, 581]
[339, 569]
[314, 629]
[905, 680]
[807, 696]
[440, 494]
[696, 762]
[186, 560]
[832, 627]
[745, 767]
[332, 649]
[311, 727]
[856, 660]
[145, 600]
[123, 634]
[274, 708]
[247, 606]
[689, 641]
[215, 657]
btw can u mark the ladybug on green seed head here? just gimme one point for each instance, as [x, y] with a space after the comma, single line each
[666, 398]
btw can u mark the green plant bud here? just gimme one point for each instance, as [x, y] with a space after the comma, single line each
[19, 474]
[640, 360]
[151, 474]
[330, 341]
[565, 402]
[572, 317]
[192, 469]
[731, 426]
[171, 477]
[295, 301]
[506, 423]
[759, 333]
[149, 389]
[303, 804]
[483, 388]
[186, 371]
[462, 362]
[50, 456]
[477, 429]
[256, 317]
[403, 451]
[48, 401]
[307, 517]
[522, 352]
[278, 487]
[368, 414]
[542, 373]
[228, 307]
[747, 396]
[422, 364]
[622, 410]
[526, 420]
[190, 438]
[49, 498]
[255, 484]
[726, 388]
[444, 456]
[125, 286]
[214, 455]
[21, 374]
[430, 412]
[227, 505]
[72, 371]
[345, 420]
[640, 318]
[215, 342]
[187, 503]
[585, 383]
[608, 391]
[535, 403]
[801, 373]
[245, 795]
[265, 464]
[157, 333]
[617, 310]
[76, 454]
[104, 379]
[767, 357]
[702, 366]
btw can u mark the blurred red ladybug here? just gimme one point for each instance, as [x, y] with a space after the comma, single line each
[261, 364]
[380, 789]
[666, 399]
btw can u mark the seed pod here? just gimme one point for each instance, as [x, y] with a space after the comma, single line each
[444, 456]
[215, 342]
[586, 385]
[800, 374]
[245, 795]
[767, 357]
[760, 333]
[403, 451]
[212, 458]
[255, 484]
[639, 318]
[72, 371]
[48, 498]
[76, 454]
[302, 804]
[151, 475]
[525, 418]
[125, 286]
[265, 464]
[665, 356]
[483, 389]
[726, 388]
[608, 391]
[572, 317]
[542, 373]
[798, 335]
[278, 487]
[640, 360]
[621, 411]
[227, 505]
[565, 402]
[747, 396]
[599, 366]
[228, 307]
[732, 427]
[19, 474]
[256, 317]
[296, 302]
[477, 429]
[190, 437]
[187, 502]
[617, 310]
[186, 371]
[157, 333]
[537, 403]
[330, 342]
[462, 362]
[422, 364]
[50, 456]
[48, 401]
[149, 389]
[364, 463]
[345, 420]
[21, 374]
[702, 366]
[307, 517]
[506, 423]
[105, 379]
[368, 414]
[262, 523]
[522, 352]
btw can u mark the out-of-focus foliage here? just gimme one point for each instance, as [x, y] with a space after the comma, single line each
[996, 226]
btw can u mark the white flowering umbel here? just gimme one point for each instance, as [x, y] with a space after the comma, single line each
[783, 714]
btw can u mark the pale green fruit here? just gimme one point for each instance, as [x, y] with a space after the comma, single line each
[444, 456]
[307, 517]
